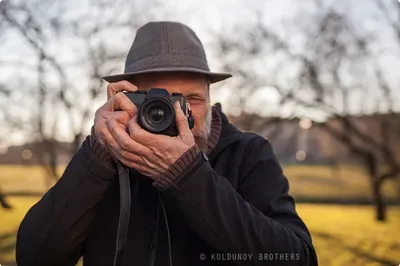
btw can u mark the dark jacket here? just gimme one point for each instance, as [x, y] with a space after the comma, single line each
[223, 211]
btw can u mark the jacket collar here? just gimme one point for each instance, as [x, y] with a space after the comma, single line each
[229, 134]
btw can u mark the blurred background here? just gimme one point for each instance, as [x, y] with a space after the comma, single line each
[318, 78]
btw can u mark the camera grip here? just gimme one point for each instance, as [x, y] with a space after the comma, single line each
[191, 121]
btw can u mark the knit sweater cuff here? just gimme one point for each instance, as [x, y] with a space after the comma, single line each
[100, 151]
[177, 169]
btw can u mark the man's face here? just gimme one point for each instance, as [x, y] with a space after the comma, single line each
[194, 87]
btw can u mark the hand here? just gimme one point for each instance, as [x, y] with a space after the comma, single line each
[106, 118]
[153, 154]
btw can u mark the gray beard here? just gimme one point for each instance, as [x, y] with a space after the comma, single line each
[201, 138]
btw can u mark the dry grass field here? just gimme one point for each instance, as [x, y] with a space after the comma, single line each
[346, 182]
[343, 235]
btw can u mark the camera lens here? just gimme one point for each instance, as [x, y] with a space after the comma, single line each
[156, 115]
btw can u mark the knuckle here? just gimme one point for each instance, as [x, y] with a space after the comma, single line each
[110, 91]
[156, 144]
[125, 144]
[124, 84]
[99, 111]
[139, 166]
[109, 121]
[142, 169]
[132, 128]
[128, 86]
[131, 122]
[110, 87]
[119, 96]
[142, 160]
[183, 119]
[168, 156]
[155, 159]
[117, 155]
[103, 133]
[125, 154]
[115, 87]
[133, 134]
[122, 117]
[125, 162]
[158, 153]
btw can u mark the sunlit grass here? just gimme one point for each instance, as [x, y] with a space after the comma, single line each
[9, 223]
[344, 182]
[349, 235]
[322, 182]
[24, 178]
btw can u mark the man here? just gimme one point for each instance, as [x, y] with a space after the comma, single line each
[223, 195]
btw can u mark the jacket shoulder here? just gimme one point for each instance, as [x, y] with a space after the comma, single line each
[257, 145]
[256, 150]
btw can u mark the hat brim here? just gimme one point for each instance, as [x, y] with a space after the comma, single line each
[212, 76]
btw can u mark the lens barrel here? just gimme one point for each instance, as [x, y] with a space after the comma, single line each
[156, 114]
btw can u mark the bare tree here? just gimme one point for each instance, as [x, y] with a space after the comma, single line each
[71, 47]
[332, 72]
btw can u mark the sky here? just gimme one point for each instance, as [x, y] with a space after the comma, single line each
[202, 16]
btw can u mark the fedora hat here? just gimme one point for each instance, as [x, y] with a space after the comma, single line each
[166, 47]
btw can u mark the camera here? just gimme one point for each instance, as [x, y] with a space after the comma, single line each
[156, 112]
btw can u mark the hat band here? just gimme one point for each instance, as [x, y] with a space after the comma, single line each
[167, 61]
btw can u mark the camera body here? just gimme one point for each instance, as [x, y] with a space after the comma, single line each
[156, 112]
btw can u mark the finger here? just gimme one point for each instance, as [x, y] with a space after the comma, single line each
[120, 86]
[119, 133]
[121, 102]
[118, 156]
[101, 130]
[137, 164]
[181, 121]
[154, 164]
[124, 156]
[106, 138]
[140, 135]
[122, 117]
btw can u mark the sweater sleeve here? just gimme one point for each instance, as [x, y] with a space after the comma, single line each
[260, 219]
[54, 229]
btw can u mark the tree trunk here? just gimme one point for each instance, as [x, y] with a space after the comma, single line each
[77, 143]
[380, 208]
[3, 201]
[376, 186]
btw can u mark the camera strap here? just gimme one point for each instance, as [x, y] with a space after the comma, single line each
[124, 217]
[124, 212]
